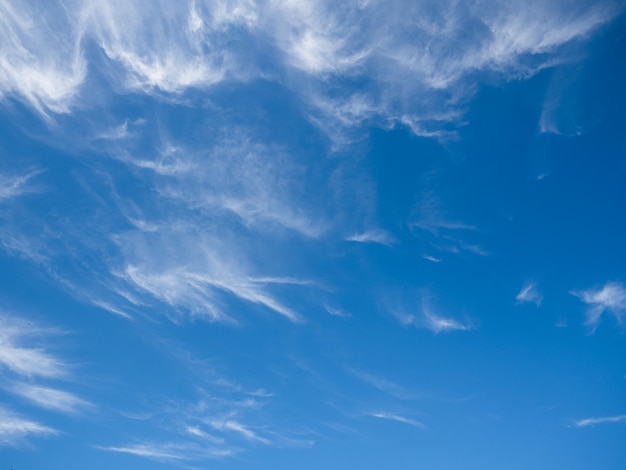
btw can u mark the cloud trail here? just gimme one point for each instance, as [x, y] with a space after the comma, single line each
[610, 298]
[14, 429]
[529, 294]
[582, 423]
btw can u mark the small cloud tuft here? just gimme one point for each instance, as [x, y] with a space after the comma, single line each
[611, 298]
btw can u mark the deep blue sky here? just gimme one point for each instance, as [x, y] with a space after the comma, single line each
[287, 234]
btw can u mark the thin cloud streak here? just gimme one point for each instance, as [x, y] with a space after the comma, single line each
[582, 423]
[170, 451]
[432, 321]
[50, 398]
[239, 428]
[378, 236]
[399, 419]
[15, 186]
[14, 429]
[421, 79]
[529, 294]
[438, 324]
[610, 298]
[27, 361]
[382, 384]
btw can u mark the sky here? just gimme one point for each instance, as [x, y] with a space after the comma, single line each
[292, 234]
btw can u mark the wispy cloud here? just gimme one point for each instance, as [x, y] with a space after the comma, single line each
[432, 321]
[336, 312]
[24, 362]
[225, 418]
[438, 324]
[529, 294]
[417, 62]
[443, 233]
[40, 57]
[12, 186]
[50, 398]
[381, 237]
[382, 384]
[199, 290]
[582, 423]
[15, 429]
[170, 451]
[173, 51]
[27, 360]
[610, 298]
[239, 428]
[398, 418]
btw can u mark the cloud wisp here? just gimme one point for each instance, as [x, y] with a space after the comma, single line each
[377, 236]
[421, 78]
[529, 294]
[24, 362]
[610, 298]
[432, 321]
[171, 452]
[41, 61]
[14, 186]
[583, 423]
[383, 384]
[14, 429]
[50, 398]
[222, 420]
[398, 418]
[21, 357]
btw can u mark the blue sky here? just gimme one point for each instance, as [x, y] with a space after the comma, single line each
[296, 234]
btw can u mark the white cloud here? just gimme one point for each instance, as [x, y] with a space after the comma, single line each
[337, 312]
[379, 236]
[610, 298]
[13, 186]
[529, 294]
[40, 57]
[432, 322]
[398, 418]
[416, 64]
[50, 398]
[442, 232]
[169, 46]
[14, 429]
[170, 451]
[19, 356]
[581, 423]
[425, 318]
[382, 384]
[239, 428]
[438, 324]
[199, 290]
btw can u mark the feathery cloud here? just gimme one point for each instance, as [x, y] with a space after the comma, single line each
[382, 384]
[582, 423]
[41, 61]
[529, 294]
[14, 186]
[23, 359]
[14, 429]
[438, 324]
[610, 298]
[381, 237]
[170, 451]
[432, 321]
[50, 398]
[398, 418]
[417, 63]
